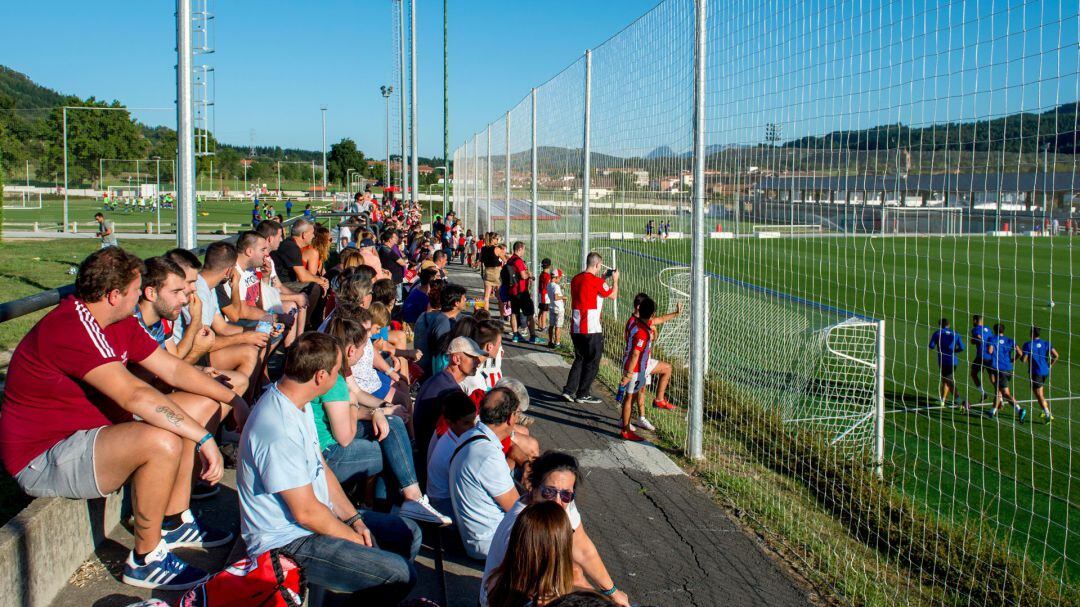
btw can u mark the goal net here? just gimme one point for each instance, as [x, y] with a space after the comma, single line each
[922, 221]
[23, 200]
[766, 230]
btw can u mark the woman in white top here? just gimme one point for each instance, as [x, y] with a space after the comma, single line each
[553, 478]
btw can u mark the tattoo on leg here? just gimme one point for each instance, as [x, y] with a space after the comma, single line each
[171, 416]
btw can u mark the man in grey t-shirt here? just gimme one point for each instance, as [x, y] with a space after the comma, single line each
[106, 231]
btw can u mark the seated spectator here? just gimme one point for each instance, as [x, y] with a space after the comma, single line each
[459, 411]
[538, 566]
[465, 355]
[163, 296]
[359, 435]
[464, 327]
[487, 335]
[289, 262]
[68, 425]
[554, 478]
[316, 254]
[416, 302]
[432, 326]
[353, 292]
[242, 294]
[481, 488]
[290, 499]
[437, 262]
[193, 345]
[290, 300]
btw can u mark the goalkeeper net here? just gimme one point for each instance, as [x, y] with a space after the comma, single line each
[925, 221]
[23, 201]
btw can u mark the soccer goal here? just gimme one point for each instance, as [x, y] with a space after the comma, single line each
[770, 230]
[674, 335]
[24, 200]
[922, 221]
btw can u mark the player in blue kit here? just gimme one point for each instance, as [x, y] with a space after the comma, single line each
[947, 343]
[1003, 352]
[980, 337]
[1040, 357]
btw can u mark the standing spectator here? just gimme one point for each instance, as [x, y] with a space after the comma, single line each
[588, 290]
[1040, 356]
[481, 487]
[309, 214]
[290, 498]
[289, 262]
[1003, 352]
[542, 294]
[539, 566]
[557, 304]
[288, 208]
[517, 279]
[68, 425]
[491, 255]
[635, 367]
[555, 477]
[106, 231]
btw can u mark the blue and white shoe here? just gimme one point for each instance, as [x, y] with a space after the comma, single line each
[190, 535]
[162, 570]
[1022, 415]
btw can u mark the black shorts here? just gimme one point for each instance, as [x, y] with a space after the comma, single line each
[544, 307]
[522, 303]
[978, 366]
[947, 370]
[1038, 381]
[1002, 379]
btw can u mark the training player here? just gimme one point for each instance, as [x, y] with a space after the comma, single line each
[947, 343]
[1003, 352]
[1040, 357]
[980, 338]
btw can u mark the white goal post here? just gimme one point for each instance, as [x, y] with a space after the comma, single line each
[922, 221]
[767, 230]
[24, 200]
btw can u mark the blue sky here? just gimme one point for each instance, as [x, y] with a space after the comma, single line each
[277, 61]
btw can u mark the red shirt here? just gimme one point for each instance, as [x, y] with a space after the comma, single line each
[638, 335]
[45, 399]
[587, 293]
[545, 280]
[522, 284]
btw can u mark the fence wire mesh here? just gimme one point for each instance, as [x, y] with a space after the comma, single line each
[872, 169]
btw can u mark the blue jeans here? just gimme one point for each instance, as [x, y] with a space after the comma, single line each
[381, 575]
[368, 456]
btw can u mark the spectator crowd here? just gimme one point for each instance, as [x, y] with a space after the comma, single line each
[364, 392]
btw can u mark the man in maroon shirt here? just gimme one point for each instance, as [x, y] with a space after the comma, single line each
[68, 423]
[521, 303]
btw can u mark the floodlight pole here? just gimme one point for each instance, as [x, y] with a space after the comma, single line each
[412, 94]
[386, 92]
[506, 202]
[65, 229]
[487, 164]
[534, 248]
[323, 152]
[698, 316]
[279, 180]
[401, 92]
[586, 160]
[185, 134]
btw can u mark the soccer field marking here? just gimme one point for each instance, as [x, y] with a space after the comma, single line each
[973, 405]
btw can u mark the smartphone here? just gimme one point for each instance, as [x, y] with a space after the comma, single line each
[264, 326]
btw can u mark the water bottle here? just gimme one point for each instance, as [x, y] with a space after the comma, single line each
[621, 394]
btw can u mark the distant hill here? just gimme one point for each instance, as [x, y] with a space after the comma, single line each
[17, 90]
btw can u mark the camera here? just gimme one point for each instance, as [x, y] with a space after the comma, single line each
[610, 272]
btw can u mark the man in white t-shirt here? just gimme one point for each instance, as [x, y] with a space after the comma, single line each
[244, 285]
[460, 414]
[481, 488]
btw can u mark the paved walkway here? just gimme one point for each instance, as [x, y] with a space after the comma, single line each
[665, 542]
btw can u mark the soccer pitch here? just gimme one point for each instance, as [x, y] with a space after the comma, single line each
[1018, 479]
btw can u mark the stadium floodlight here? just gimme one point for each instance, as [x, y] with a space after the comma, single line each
[386, 92]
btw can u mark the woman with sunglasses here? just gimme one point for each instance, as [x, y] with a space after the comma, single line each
[553, 478]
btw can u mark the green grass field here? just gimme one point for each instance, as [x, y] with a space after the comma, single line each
[1017, 478]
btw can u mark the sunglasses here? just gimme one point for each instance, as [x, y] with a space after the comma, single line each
[550, 493]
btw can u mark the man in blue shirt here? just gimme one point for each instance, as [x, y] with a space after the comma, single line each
[1040, 357]
[980, 337]
[947, 343]
[290, 498]
[1003, 352]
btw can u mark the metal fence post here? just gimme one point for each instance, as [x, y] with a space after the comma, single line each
[476, 185]
[534, 249]
[412, 93]
[586, 160]
[698, 318]
[401, 95]
[65, 226]
[185, 149]
[506, 202]
[487, 164]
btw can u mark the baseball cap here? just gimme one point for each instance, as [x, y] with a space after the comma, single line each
[465, 345]
[557, 273]
[367, 242]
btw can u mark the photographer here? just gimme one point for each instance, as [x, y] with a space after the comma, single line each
[588, 290]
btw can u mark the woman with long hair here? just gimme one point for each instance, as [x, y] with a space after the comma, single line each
[539, 566]
[315, 257]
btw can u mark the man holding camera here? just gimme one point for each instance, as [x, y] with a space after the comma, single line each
[588, 290]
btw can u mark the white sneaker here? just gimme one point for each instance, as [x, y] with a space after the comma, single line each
[421, 510]
[645, 424]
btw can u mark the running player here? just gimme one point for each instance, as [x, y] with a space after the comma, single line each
[947, 343]
[1003, 352]
[980, 338]
[1040, 357]
[648, 230]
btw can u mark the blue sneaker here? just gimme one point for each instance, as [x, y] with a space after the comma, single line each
[516, 338]
[1022, 415]
[190, 535]
[162, 570]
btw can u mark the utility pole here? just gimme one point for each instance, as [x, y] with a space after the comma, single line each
[412, 94]
[446, 113]
[185, 149]
[323, 150]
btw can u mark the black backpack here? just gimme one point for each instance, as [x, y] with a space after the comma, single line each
[508, 277]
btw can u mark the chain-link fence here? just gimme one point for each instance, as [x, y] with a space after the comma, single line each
[875, 178]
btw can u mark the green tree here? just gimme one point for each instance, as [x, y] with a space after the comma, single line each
[91, 135]
[342, 157]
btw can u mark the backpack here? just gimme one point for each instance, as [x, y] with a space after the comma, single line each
[508, 277]
[271, 580]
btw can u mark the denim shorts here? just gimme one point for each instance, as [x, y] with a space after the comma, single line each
[65, 470]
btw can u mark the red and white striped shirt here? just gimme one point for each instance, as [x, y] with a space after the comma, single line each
[587, 293]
